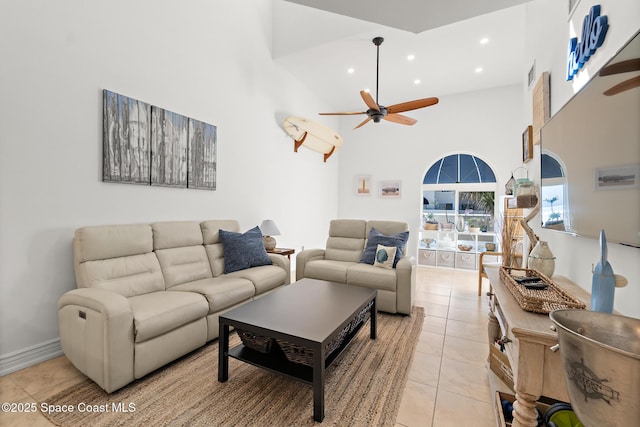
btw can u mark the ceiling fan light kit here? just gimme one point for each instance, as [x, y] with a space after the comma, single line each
[377, 112]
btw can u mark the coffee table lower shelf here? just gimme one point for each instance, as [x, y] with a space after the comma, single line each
[276, 361]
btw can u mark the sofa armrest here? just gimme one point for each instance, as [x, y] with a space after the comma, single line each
[304, 257]
[282, 262]
[406, 284]
[97, 335]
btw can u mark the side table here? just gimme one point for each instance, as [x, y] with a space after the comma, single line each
[282, 251]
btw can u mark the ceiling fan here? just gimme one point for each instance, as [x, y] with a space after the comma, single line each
[627, 66]
[377, 112]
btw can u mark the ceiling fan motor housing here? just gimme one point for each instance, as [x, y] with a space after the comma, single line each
[377, 115]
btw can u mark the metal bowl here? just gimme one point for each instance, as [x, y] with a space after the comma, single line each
[600, 353]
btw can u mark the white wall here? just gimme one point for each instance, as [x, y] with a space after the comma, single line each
[487, 124]
[212, 61]
[206, 60]
[549, 29]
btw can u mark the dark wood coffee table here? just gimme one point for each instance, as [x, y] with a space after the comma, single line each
[319, 317]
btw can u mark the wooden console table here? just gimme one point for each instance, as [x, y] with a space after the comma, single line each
[537, 371]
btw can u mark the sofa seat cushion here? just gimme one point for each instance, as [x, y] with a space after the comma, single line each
[264, 278]
[221, 292]
[159, 312]
[372, 277]
[324, 269]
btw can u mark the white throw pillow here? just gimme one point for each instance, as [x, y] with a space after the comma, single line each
[385, 256]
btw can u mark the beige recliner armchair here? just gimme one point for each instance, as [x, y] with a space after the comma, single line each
[340, 262]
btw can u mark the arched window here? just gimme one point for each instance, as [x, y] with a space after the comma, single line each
[459, 189]
[459, 169]
[551, 168]
[458, 204]
[554, 206]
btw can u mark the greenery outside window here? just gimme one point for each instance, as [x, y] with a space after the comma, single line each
[460, 190]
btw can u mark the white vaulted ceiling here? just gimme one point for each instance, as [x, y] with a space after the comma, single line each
[318, 40]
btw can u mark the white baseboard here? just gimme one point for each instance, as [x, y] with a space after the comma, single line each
[12, 362]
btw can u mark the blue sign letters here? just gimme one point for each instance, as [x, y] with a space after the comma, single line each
[594, 28]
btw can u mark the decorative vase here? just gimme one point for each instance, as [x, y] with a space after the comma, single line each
[541, 258]
[460, 225]
[603, 283]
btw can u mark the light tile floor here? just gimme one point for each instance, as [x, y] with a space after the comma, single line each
[448, 383]
[447, 386]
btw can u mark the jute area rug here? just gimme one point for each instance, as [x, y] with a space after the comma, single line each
[363, 388]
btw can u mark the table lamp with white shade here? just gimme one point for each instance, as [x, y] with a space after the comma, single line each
[269, 229]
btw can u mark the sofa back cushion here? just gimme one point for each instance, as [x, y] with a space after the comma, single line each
[346, 240]
[213, 245]
[180, 251]
[119, 258]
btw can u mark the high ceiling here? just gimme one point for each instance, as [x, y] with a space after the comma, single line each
[318, 40]
[416, 16]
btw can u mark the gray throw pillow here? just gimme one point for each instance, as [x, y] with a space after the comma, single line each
[243, 250]
[399, 240]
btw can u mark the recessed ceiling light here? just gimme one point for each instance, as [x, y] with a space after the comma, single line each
[484, 40]
[416, 81]
[479, 70]
[411, 57]
[350, 70]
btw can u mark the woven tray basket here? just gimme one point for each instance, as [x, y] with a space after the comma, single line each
[537, 301]
[304, 356]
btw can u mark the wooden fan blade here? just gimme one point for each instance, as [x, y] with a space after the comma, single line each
[621, 67]
[399, 118]
[343, 114]
[368, 99]
[363, 123]
[412, 105]
[625, 85]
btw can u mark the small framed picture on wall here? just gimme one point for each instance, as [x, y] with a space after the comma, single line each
[363, 185]
[389, 189]
[527, 144]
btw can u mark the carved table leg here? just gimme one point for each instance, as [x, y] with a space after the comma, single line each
[524, 410]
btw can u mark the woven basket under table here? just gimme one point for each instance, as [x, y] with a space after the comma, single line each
[299, 354]
[256, 342]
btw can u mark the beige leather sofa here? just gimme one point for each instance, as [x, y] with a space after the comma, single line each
[150, 293]
[340, 262]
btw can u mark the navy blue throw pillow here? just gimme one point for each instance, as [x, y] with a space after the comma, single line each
[243, 250]
[399, 240]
